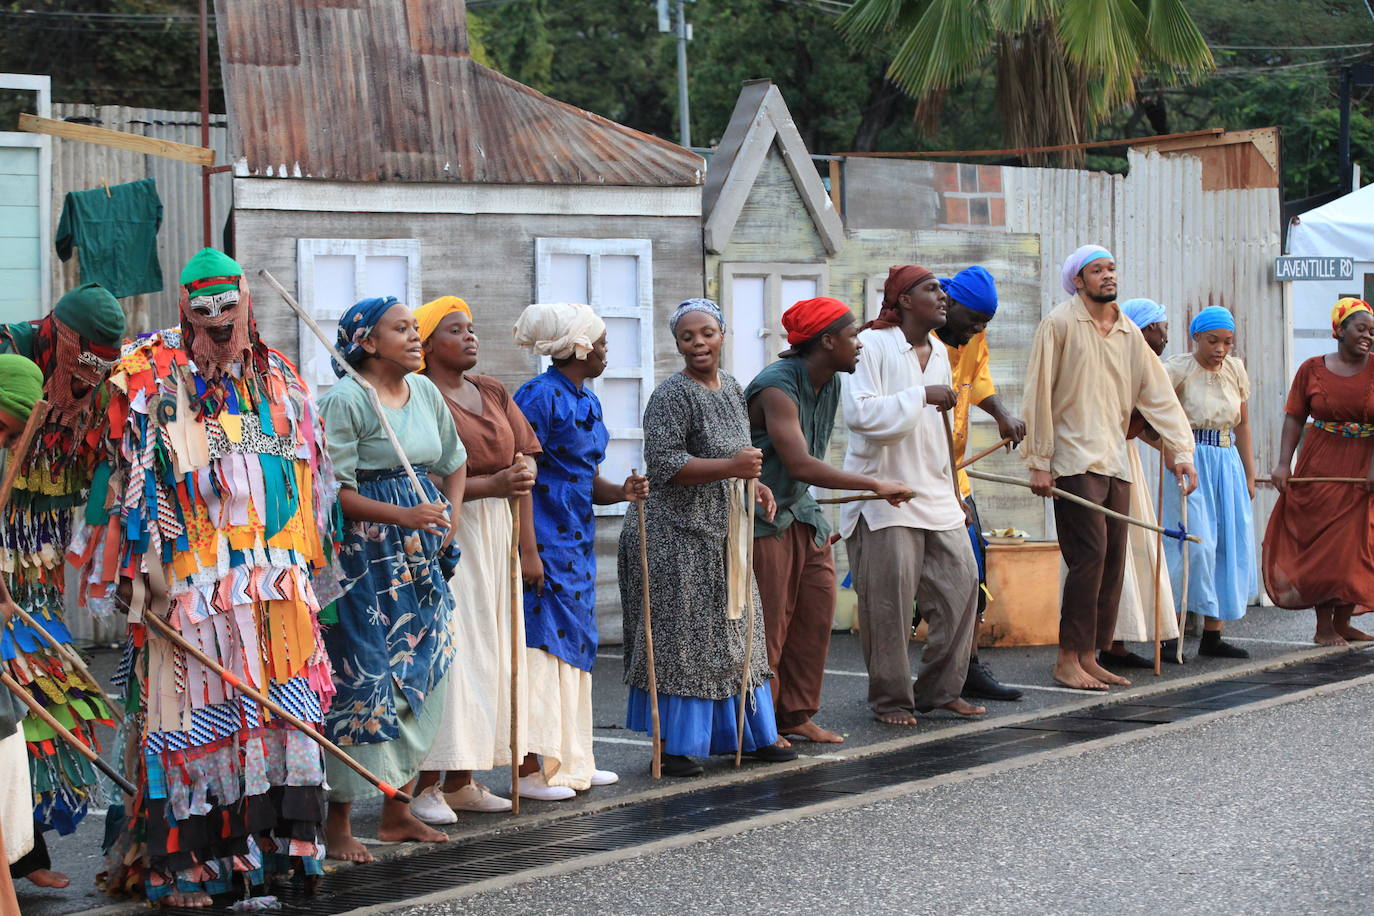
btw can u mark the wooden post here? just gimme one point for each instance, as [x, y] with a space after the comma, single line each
[750, 495]
[515, 653]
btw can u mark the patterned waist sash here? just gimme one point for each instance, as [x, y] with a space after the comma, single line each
[1350, 430]
[1221, 438]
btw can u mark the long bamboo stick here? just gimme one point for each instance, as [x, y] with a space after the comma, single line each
[750, 495]
[656, 767]
[1159, 559]
[65, 734]
[357, 377]
[983, 454]
[1087, 504]
[167, 631]
[1267, 482]
[515, 653]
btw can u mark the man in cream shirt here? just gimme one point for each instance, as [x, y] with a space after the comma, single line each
[920, 549]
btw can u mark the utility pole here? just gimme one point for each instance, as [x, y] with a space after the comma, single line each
[684, 35]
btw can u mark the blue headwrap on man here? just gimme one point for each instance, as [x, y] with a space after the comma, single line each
[1144, 312]
[1212, 318]
[974, 288]
[355, 326]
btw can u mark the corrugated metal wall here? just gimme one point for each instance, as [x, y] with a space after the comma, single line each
[79, 166]
[1183, 247]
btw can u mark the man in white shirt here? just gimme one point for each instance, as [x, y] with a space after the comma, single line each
[920, 549]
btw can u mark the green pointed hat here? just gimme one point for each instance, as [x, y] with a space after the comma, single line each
[92, 312]
[208, 264]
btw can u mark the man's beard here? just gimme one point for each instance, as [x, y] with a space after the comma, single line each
[1102, 297]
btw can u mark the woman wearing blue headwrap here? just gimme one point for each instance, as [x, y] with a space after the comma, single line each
[391, 639]
[1213, 388]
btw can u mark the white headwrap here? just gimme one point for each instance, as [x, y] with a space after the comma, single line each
[559, 329]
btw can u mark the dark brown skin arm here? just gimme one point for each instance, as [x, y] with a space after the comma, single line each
[1288, 444]
[1243, 445]
[1008, 426]
[777, 413]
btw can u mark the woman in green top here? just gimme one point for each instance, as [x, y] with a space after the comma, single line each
[393, 639]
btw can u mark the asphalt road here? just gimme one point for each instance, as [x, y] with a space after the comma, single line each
[1266, 811]
[1269, 634]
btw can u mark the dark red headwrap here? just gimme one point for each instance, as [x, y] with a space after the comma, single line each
[900, 278]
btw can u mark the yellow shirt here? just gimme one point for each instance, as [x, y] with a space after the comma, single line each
[971, 367]
[1080, 389]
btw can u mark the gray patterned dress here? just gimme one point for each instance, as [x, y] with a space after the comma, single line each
[698, 652]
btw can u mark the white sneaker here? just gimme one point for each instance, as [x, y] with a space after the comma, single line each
[476, 797]
[429, 806]
[604, 778]
[535, 786]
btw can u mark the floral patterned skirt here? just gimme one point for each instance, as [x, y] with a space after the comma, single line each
[394, 628]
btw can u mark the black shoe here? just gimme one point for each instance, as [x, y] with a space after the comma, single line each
[1214, 646]
[681, 765]
[981, 685]
[771, 753]
[1168, 651]
[1114, 662]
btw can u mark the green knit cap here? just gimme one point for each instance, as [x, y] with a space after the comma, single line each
[21, 385]
[208, 263]
[93, 313]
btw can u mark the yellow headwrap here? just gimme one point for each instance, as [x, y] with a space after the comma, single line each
[1344, 308]
[431, 313]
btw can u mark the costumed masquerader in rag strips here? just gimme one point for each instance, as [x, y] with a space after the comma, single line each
[1213, 387]
[501, 447]
[559, 568]
[220, 521]
[1319, 546]
[1089, 368]
[391, 640]
[698, 456]
[21, 387]
[74, 346]
[1135, 620]
[972, 304]
[792, 405]
[920, 550]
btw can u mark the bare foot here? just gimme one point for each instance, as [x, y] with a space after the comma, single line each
[407, 829]
[1327, 636]
[194, 899]
[1072, 675]
[897, 718]
[810, 731]
[1352, 634]
[1093, 670]
[346, 848]
[46, 877]
[782, 742]
[962, 707]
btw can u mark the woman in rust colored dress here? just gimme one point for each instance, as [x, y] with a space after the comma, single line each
[1319, 547]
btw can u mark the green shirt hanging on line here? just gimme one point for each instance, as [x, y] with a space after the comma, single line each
[117, 235]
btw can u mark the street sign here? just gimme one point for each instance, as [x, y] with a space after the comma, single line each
[1288, 268]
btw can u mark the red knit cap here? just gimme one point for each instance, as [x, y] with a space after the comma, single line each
[807, 318]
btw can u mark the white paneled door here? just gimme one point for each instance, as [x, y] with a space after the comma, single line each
[754, 296]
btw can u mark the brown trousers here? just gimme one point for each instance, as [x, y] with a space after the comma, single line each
[1094, 549]
[892, 568]
[796, 582]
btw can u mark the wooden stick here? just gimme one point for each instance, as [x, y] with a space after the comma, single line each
[118, 139]
[656, 767]
[1159, 558]
[1267, 482]
[166, 630]
[20, 450]
[67, 652]
[953, 460]
[515, 652]
[750, 495]
[357, 377]
[1183, 602]
[983, 454]
[9, 898]
[62, 732]
[1087, 504]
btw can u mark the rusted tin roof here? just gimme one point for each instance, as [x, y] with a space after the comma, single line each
[384, 90]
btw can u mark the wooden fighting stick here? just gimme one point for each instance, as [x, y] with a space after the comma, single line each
[67, 652]
[1183, 602]
[1159, 559]
[953, 459]
[867, 497]
[65, 734]
[357, 377]
[1087, 504]
[655, 768]
[167, 631]
[751, 490]
[515, 652]
[20, 450]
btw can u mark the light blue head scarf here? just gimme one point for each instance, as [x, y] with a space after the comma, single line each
[1144, 312]
[355, 326]
[696, 305]
[1210, 319]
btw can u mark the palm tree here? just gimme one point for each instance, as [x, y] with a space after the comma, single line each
[1062, 66]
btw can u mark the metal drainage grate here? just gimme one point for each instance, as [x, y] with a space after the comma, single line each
[458, 864]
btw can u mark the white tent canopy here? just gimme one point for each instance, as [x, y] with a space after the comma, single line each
[1343, 228]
